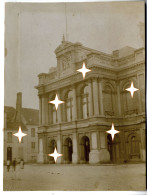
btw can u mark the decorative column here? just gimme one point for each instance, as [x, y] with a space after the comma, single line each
[95, 96]
[40, 157]
[90, 99]
[75, 149]
[74, 104]
[43, 110]
[64, 112]
[94, 153]
[40, 110]
[118, 99]
[59, 148]
[59, 110]
[101, 97]
[46, 109]
[79, 107]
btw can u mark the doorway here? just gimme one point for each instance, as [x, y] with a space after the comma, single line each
[68, 150]
[85, 149]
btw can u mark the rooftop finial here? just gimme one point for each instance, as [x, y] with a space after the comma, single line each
[63, 39]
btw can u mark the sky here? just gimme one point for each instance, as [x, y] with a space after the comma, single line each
[34, 30]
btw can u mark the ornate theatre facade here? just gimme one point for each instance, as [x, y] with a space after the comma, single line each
[78, 128]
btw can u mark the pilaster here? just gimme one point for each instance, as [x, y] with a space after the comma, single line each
[94, 153]
[75, 149]
[90, 98]
[95, 96]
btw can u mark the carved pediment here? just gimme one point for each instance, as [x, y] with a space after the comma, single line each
[63, 45]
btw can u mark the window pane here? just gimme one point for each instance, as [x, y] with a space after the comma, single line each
[33, 132]
[9, 137]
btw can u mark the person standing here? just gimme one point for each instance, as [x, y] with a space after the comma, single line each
[22, 164]
[8, 165]
[14, 164]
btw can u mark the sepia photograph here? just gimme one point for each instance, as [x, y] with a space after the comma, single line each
[74, 96]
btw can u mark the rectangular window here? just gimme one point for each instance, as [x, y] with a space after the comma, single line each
[20, 152]
[32, 132]
[9, 137]
[33, 145]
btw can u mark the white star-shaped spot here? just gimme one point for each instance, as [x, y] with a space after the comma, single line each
[84, 70]
[56, 101]
[55, 155]
[112, 131]
[20, 134]
[132, 89]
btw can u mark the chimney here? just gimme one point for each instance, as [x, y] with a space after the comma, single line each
[18, 107]
[115, 53]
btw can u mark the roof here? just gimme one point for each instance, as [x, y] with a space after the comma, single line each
[31, 116]
[15, 126]
[28, 116]
[10, 112]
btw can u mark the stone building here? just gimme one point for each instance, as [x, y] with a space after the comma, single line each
[28, 119]
[78, 128]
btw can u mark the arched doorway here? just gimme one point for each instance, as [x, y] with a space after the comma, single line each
[84, 149]
[114, 148]
[52, 146]
[134, 147]
[68, 150]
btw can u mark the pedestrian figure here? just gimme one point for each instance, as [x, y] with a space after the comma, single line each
[14, 164]
[22, 164]
[8, 165]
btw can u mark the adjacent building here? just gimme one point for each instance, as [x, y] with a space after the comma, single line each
[78, 128]
[28, 119]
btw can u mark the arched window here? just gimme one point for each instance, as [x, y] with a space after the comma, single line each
[129, 103]
[69, 106]
[85, 102]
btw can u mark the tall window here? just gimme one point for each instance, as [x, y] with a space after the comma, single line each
[108, 100]
[33, 145]
[32, 132]
[54, 112]
[129, 104]
[69, 106]
[85, 102]
[9, 137]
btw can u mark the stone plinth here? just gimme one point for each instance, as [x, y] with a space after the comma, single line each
[75, 158]
[104, 156]
[40, 158]
[143, 155]
[94, 156]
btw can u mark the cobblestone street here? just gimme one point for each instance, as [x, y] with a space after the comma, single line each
[76, 177]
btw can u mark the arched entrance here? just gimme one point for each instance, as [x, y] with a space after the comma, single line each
[133, 147]
[68, 150]
[84, 149]
[113, 148]
[52, 146]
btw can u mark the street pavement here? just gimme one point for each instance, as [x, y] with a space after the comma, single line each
[55, 177]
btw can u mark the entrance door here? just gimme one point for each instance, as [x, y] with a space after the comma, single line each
[113, 148]
[9, 153]
[85, 149]
[52, 147]
[134, 148]
[68, 150]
